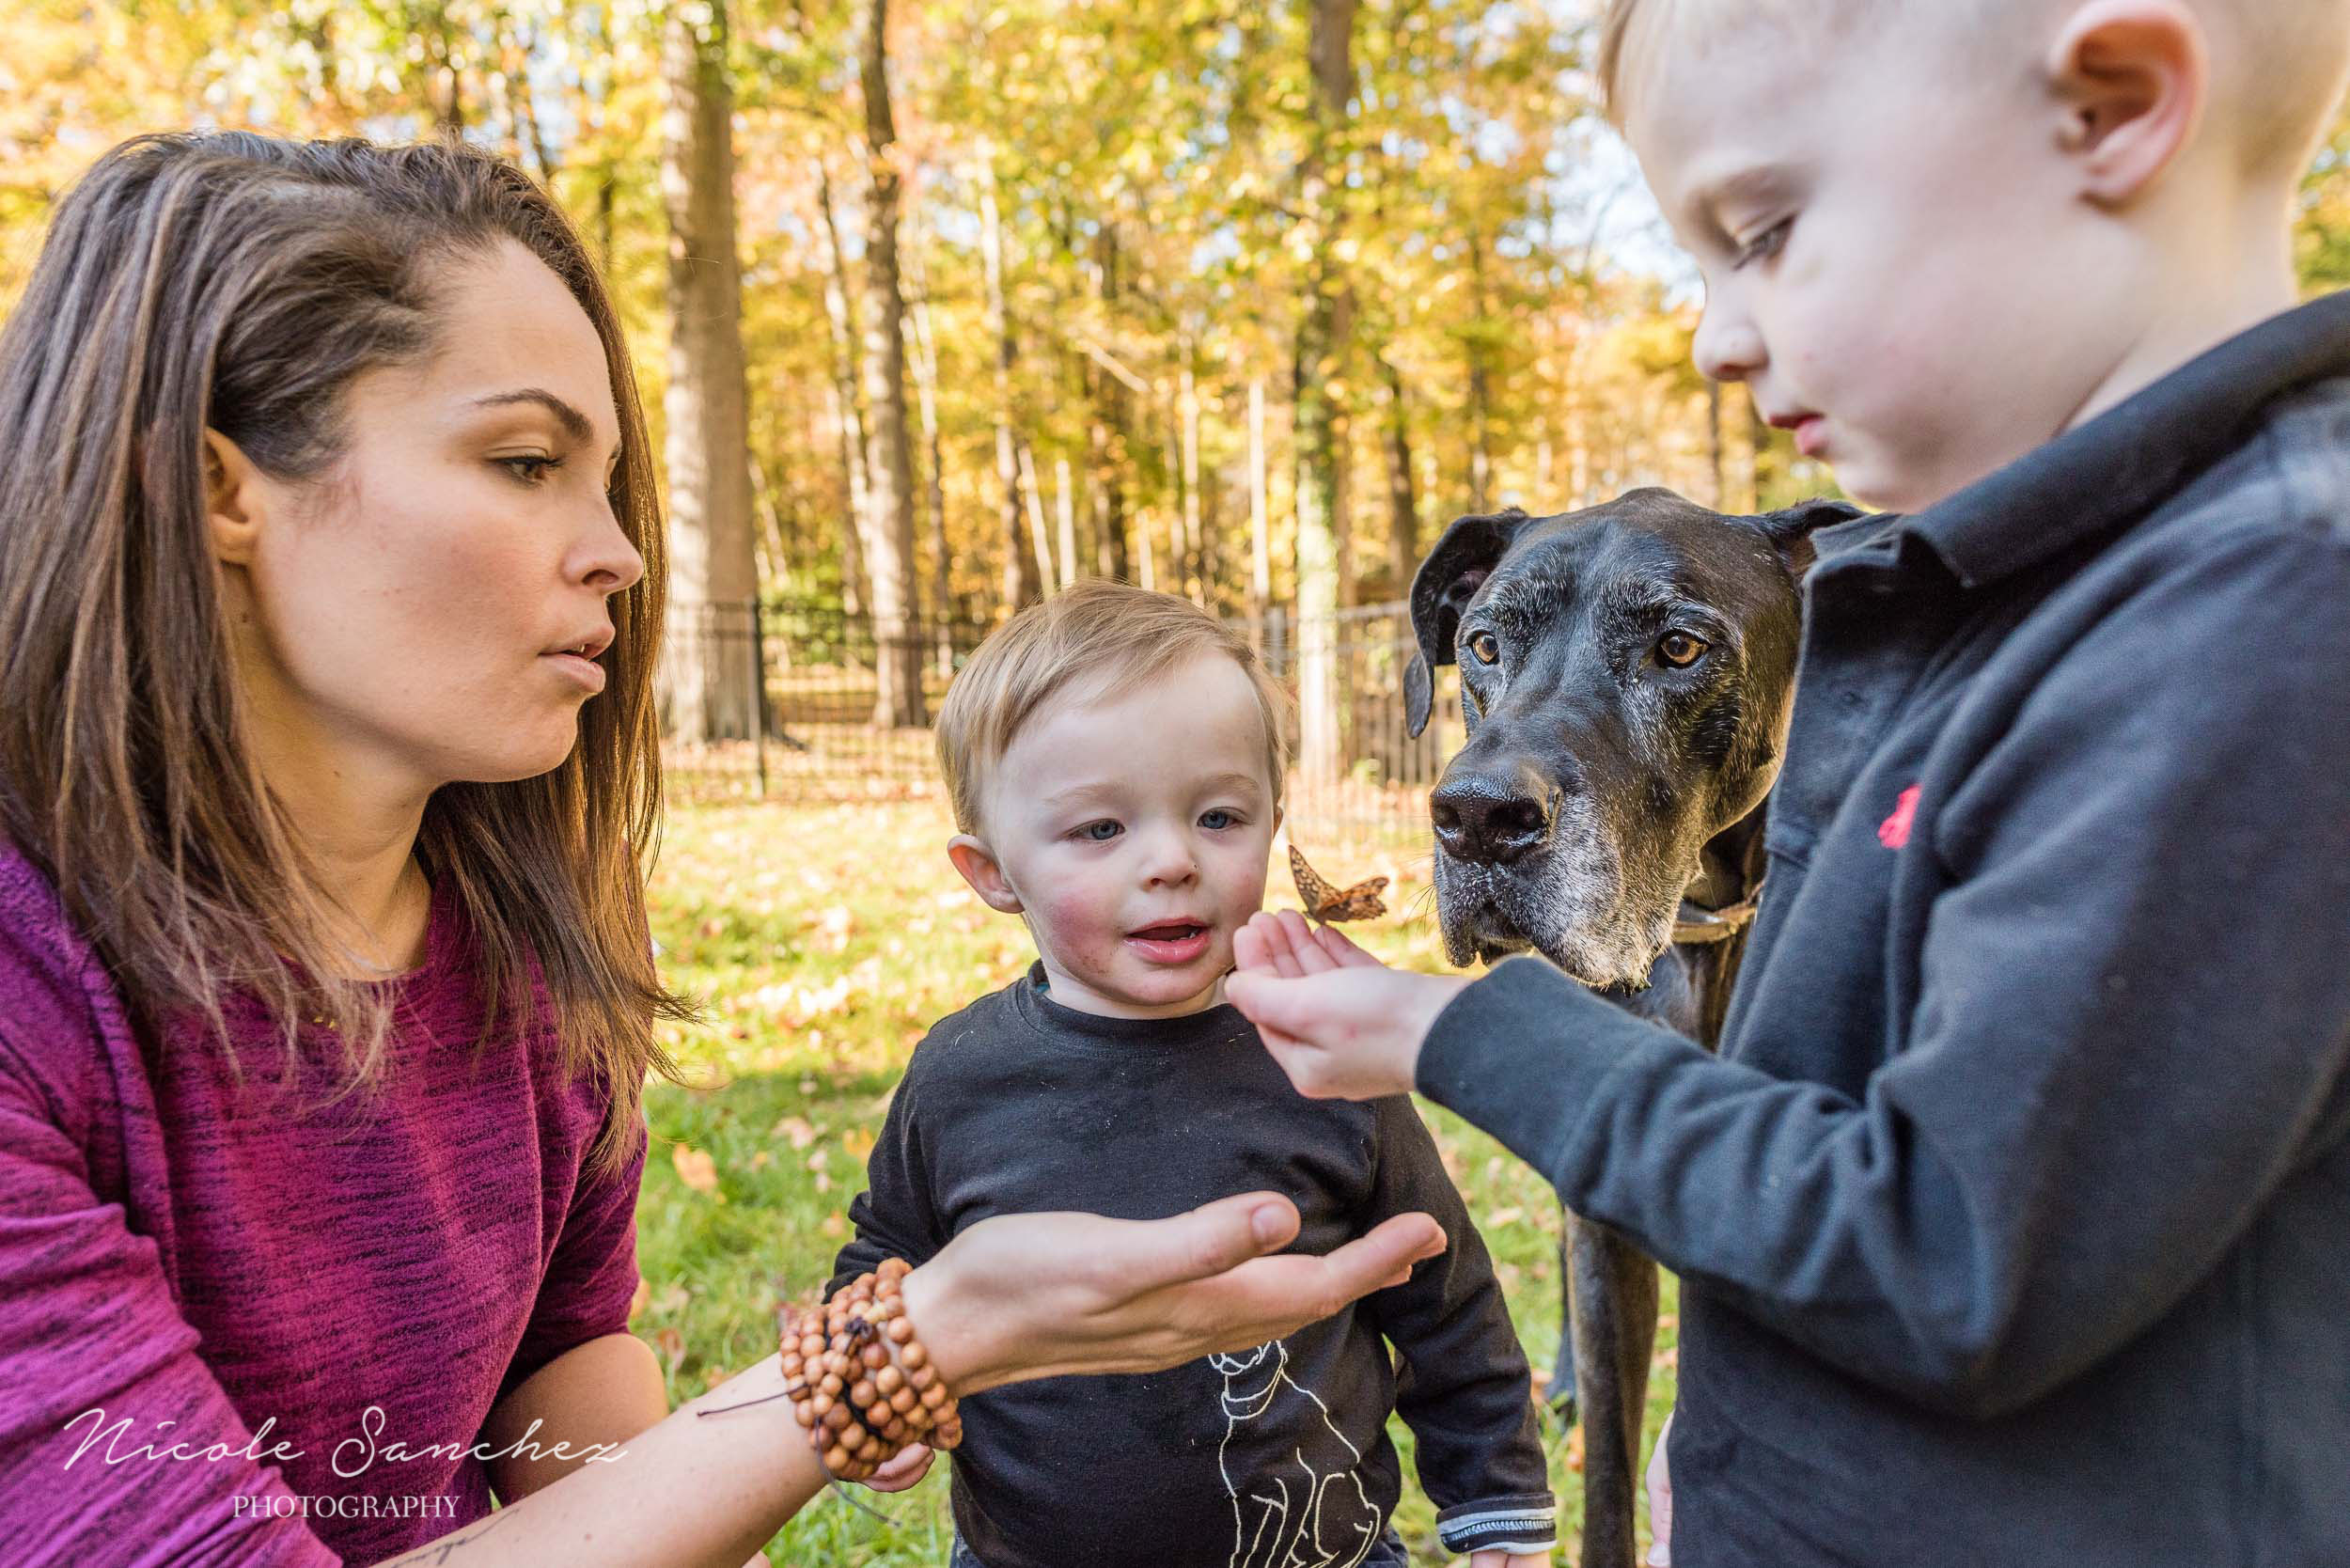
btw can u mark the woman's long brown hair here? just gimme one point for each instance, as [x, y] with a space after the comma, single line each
[239, 282]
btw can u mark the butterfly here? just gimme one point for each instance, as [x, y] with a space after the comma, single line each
[1330, 904]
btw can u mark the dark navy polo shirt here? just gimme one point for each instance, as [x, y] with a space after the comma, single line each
[2013, 1218]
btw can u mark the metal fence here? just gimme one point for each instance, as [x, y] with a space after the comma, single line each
[821, 671]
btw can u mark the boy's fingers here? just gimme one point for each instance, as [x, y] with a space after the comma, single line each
[1312, 957]
[1248, 946]
[1304, 953]
[1259, 995]
[1341, 948]
[1282, 943]
[1295, 1005]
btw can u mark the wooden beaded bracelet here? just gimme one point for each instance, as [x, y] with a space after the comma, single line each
[860, 1383]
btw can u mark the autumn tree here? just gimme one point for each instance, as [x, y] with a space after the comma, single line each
[890, 463]
[712, 688]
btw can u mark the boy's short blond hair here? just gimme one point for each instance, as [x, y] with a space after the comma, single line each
[2277, 65]
[1107, 638]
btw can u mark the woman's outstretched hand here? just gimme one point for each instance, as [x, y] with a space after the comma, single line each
[1040, 1295]
[1341, 1024]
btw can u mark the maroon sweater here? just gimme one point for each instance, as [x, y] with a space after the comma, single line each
[319, 1309]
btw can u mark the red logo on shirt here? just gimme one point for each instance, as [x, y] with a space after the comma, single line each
[1894, 831]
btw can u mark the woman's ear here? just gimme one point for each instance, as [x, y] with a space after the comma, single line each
[976, 863]
[235, 499]
[2133, 76]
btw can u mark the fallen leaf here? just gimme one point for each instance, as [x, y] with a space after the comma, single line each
[835, 1224]
[693, 1168]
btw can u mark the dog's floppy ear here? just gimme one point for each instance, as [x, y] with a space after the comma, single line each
[1441, 590]
[1790, 530]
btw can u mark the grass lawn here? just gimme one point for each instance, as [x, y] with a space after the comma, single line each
[825, 940]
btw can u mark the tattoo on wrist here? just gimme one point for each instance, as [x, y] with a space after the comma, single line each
[440, 1551]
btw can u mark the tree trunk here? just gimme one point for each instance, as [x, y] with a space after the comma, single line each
[1065, 504]
[849, 415]
[607, 194]
[1320, 416]
[1191, 571]
[1024, 574]
[1480, 448]
[1402, 506]
[1260, 525]
[1039, 538]
[1481, 392]
[1714, 443]
[710, 689]
[1110, 429]
[898, 700]
[934, 470]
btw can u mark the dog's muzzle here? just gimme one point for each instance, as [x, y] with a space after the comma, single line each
[1522, 863]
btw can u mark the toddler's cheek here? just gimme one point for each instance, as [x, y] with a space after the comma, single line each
[1079, 927]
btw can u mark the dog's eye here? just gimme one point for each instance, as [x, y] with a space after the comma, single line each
[1486, 647]
[1680, 649]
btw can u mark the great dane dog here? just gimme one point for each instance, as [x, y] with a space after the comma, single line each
[1626, 676]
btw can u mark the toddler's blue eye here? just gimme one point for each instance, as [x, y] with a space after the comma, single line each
[1217, 820]
[1100, 832]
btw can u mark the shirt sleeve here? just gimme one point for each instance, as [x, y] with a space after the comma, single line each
[893, 1215]
[95, 1357]
[592, 1277]
[1463, 1385]
[2132, 1026]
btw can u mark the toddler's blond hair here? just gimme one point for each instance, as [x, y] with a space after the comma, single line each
[1107, 638]
[2277, 64]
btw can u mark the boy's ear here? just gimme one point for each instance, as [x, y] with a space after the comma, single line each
[2133, 77]
[976, 863]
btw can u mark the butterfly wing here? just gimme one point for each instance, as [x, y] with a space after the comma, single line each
[1313, 889]
[1330, 904]
[1359, 902]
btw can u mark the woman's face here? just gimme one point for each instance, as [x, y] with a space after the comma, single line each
[433, 607]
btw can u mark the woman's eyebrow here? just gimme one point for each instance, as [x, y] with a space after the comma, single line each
[574, 423]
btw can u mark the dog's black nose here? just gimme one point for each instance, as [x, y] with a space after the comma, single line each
[1492, 819]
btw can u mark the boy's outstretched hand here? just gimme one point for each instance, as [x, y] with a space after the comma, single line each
[1341, 1024]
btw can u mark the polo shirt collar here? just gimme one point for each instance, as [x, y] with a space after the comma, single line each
[2121, 466]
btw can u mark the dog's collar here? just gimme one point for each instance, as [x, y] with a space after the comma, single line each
[1697, 927]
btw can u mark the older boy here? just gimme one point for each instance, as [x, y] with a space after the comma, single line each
[1114, 758]
[2014, 1221]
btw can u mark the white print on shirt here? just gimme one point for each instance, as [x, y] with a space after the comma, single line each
[1309, 1510]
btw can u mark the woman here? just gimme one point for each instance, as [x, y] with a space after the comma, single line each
[327, 626]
